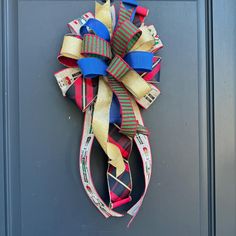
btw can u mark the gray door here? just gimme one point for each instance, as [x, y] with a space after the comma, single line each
[192, 191]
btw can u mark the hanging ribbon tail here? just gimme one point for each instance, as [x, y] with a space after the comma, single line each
[119, 187]
[101, 126]
[85, 171]
[112, 71]
[143, 145]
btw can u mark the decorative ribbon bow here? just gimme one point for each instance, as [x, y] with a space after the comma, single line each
[112, 69]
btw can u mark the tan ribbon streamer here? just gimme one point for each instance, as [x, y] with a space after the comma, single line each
[71, 47]
[136, 84]
[101, 113]
[100, 126]
[145, 42]
[103, 13]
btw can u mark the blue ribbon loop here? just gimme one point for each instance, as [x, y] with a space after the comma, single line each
[140, 61]
[92, 67]
[97, 27]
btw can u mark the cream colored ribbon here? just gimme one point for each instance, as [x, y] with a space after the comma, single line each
[100, 126]
[146, 41]
[71, 47]
[101, 113]
[136, 84]
[103, 13]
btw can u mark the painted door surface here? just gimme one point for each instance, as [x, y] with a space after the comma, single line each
[41, 193]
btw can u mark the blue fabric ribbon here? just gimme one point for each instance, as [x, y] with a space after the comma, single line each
[97, 27]
[115, 116]
[140, 61]
[92, 67]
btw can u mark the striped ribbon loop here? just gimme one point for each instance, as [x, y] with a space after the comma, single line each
[122, 72]
[118, 68]
[143, 130]
[124, 14]
[96, 47]
[124, 38]
[129, 123]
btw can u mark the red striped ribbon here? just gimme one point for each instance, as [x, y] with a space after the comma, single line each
[96, 47]
[124, 38]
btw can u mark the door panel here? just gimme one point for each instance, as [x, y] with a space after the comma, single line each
[224, 76]
[2, 187]
[48, 195]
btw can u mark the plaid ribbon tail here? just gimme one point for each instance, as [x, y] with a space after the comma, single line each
[119, 187]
